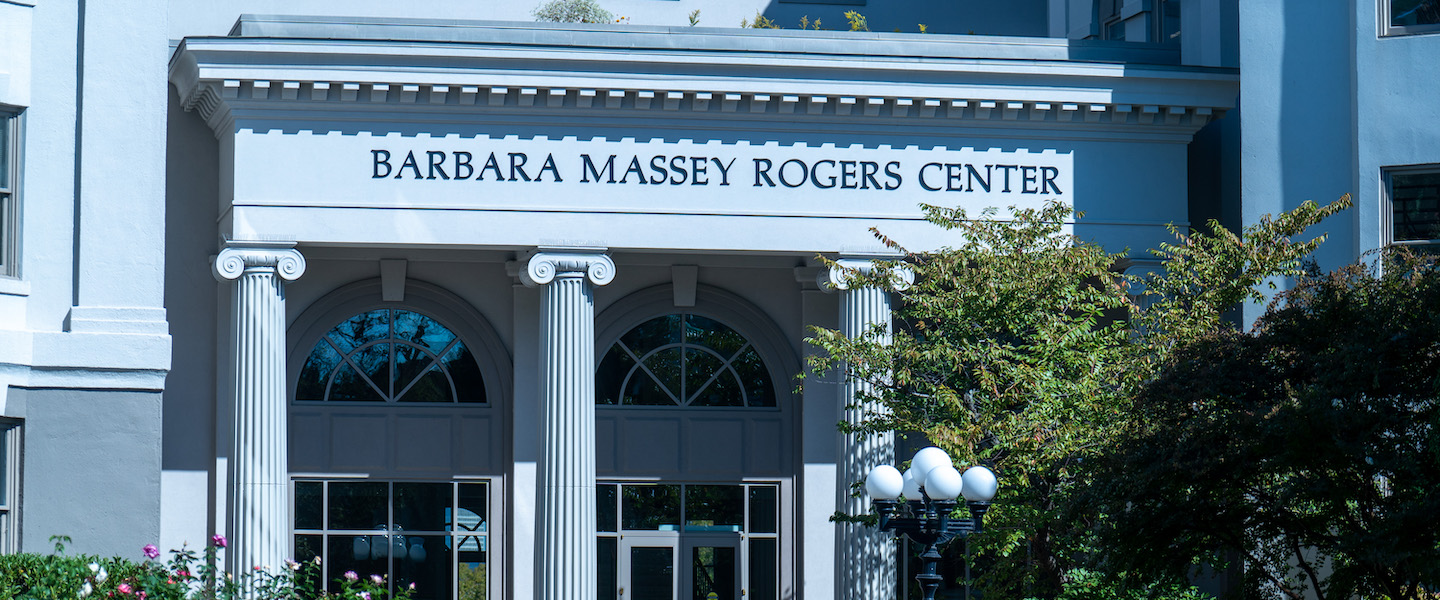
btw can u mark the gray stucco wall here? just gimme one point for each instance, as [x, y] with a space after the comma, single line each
[91, 470]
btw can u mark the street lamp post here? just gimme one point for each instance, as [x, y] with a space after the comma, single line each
[930, 489]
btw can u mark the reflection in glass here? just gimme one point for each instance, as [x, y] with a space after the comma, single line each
[421, 506]
[608, 558]
[361, 329]
[1416, 201]
[650, 507]
[359, 505]
[709, 365]
[764, 569]
[309, 505]
[652, 573]
[366, 555]
[763, 508]
[369, 358]
[465, 372]
[473, 575]
[1414, 12]
[605, 507]
[316, 373]
[713, 572]
[419, 329]
[714, 507]
[351, 386]
[425, 561]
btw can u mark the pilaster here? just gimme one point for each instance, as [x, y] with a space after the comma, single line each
[259, 522]
[864, 557]
[565, 540]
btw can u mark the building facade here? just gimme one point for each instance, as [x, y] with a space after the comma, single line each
[513, 309]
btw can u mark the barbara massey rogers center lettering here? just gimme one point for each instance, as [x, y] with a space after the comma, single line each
[695, 170]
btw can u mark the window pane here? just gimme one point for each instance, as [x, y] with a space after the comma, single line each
[644, 391]
[423, 560]
[652, 573]
[611, 375]
[422, 506]
[712, 568]
[665, 365]
[650, 507]
[763, 508]
[422, 330]
[605, 507]
[755, 377]
[1414, 12]
[473, 506]
[473, 575]
[307, 547]
[374, 362]
[359, 505]
[712, 334]
[764, 574]
[1416, 199]
[721, 391]
[430, 387]
[653, 334]
[309, 505]
[465, 373]
[608, 557]
[412, 362]
[361, 329]
[316, 373]
[350, 386]
[700, 366]
[366, 555]
[714, 507]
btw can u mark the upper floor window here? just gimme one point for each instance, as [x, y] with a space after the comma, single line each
[683, 360]
[391, 355]
[10, 444]
[1414, 196]
[9, 203]
[1401, 17]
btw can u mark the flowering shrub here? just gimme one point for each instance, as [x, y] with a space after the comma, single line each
[186, 575]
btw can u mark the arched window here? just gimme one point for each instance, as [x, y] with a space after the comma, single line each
[683, 360]
[391, 355]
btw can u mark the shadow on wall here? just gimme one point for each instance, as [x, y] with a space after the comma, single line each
[1013, 17]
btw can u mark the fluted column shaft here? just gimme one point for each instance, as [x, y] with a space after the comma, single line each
[258, 514]
[864, 557]
[565, 542]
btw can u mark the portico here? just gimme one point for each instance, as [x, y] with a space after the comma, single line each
[555, 285]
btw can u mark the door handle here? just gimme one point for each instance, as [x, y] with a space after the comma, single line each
[622, 590]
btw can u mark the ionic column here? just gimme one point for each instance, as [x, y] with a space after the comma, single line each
[864, 558]
[258, 513]
[565, 541]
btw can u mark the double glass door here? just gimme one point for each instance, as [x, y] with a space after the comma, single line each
[657, 566]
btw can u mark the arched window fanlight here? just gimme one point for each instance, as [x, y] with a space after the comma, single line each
[683, 360]
[391, 355]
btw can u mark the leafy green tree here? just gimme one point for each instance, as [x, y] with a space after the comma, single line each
[573, 11]
[1310, 446]
[1021, 348]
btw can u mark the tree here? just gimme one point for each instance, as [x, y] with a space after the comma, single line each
[1021, 347]
[573, 11]
[1309, 446]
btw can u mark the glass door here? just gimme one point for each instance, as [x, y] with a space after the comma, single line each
[648, 567]
[711, 567]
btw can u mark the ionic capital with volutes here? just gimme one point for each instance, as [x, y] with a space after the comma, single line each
[839, 276]
[240, 256]
[546, 266]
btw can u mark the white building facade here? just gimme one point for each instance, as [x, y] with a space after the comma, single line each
[518, 310]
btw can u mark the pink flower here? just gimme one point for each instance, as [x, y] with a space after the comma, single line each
[140, 595]
[365, 595]
[218, 540]
[412, 585]
[183, 573]
[150, 551]
[351, 576]
[124, 588]
[377, 580]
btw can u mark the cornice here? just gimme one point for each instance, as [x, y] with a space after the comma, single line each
[221, 77]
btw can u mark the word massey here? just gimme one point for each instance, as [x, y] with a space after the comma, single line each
[708, 170]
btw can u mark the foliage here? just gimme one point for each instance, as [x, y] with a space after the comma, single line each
[185, 576]
[694, 17]
[806, 23]
[1310, 445]
[1082, 584]
[1012, 349]
[572, 11]
[759, 22]
[857, 21]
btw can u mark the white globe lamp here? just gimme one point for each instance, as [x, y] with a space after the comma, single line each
[979, 484]
[884, 483]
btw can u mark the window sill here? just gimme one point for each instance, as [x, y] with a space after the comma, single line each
[10, 286]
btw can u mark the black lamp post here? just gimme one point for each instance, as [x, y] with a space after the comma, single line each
[930, 489]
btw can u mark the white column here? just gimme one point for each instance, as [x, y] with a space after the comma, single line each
[864, 557]
[259, 516]
[565, 542]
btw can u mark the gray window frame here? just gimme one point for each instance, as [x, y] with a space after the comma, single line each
[1388, 30]
[11, 459]
[10, 204]
[1387, 202]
